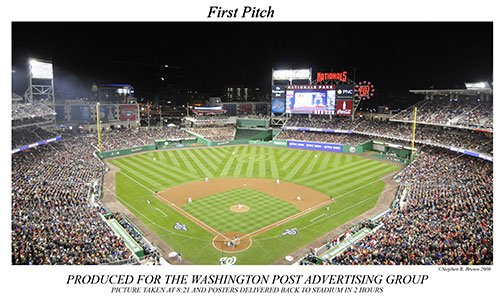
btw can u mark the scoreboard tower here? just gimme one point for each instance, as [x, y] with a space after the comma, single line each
[295, 92]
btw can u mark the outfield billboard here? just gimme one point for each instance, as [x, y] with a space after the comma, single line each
[107, 112]
[278, 106]
[317, 129]
[278, 92]
[315, 146]
[345, 92]
[80, 113]
[128, 112]
[344, 108]
[60, 113]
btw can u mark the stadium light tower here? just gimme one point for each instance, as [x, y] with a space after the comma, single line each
[41, 81]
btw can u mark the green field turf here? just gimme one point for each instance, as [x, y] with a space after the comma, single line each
[264, 210]
[354, 181]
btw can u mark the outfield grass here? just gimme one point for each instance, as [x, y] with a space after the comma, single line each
[354, 182]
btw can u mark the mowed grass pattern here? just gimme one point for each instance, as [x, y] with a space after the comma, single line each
[264, 210]
[353, 181]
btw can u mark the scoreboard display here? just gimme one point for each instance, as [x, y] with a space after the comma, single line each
[310, 99]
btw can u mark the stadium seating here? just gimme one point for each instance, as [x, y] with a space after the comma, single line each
[447, 219]
[30, 135]
[471, 112]
[22, 110]
[321, 137]
[215, 133]
[476, 141]
[126, 138]
[52, 220]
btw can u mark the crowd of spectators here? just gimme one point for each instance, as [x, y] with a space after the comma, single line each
[23, 110]
[123, 138]
[52, 219]
[201, 120]
[36, 121]
[254, 117]
[447, 219]
[470, 111]
[320, 121]
[477, 141]
[425, 134]
[216, 133]
[29, 135]
[322, 137]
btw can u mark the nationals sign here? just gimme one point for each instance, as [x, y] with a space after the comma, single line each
[343, 108]
[364, 90]
[342, 76]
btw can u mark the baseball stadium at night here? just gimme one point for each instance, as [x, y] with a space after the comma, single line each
[249, 149]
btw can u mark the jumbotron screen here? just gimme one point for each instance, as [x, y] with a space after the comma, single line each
[321, 102]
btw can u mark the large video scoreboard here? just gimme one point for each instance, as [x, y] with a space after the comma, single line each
[337, 95]
[310, 99]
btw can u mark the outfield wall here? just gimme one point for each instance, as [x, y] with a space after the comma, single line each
[199, 142]
[278, 143]
[325, 147]
[128, 151]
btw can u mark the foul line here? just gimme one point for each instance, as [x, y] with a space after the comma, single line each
[151, 221]
[179, 209]
[338, 212]
[283, 221]
[311, 209]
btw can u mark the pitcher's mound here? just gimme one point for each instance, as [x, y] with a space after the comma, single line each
[239, 208]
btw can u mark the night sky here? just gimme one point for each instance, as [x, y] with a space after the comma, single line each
[203, 56]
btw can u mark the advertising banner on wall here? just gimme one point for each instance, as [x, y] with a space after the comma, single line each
[80, 113]
[317, 129]
[278, 92]
[60, 117]
[345, 92]
[107, 112]
[128, 112]
[344, 108]
[278, 106]
[315, 146]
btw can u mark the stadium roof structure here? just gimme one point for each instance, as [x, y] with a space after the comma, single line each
[466, 92]
[472, 89]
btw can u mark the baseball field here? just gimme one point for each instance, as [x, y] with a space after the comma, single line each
[276, 201]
